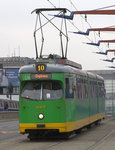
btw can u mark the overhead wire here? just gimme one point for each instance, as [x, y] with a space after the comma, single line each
[69, 20]
[105, 7]
[85, 19]
[88, 22]
[72, 22]
[80, 15]
[51, 3]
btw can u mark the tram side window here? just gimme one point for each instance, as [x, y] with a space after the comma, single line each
[69, 92]
[80, 89]
[76, 91]
[85, 89]
[101, 90]
[93, 89]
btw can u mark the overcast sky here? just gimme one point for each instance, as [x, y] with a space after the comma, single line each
[17, 26]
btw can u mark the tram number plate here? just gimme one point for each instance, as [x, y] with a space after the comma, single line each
[40, 125]
[40, 67]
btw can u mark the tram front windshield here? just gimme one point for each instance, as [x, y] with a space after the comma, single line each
[42, 90]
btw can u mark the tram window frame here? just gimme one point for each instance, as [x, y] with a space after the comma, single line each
[69, 88]
[85, 89]
[81, 88]
[101, 90]
[93, 89]
[40, 89]
[76, 89]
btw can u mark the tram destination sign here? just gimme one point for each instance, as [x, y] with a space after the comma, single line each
[40, 76]
[40, 68]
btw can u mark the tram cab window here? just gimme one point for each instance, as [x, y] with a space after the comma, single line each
[69, 92]
[42, 90]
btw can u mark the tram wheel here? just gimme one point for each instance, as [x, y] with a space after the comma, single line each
[32, 137]
[89, 126]
[78, 131]
[97, 122]
[66, 135]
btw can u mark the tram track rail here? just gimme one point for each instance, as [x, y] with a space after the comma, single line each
[94, 138]
[91, 147]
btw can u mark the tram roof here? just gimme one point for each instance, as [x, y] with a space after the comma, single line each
[52, 68]
[59, 68]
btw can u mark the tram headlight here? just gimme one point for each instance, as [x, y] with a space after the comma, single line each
[40, 116]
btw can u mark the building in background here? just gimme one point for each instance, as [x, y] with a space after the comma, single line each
[9, 67]
[109, 80]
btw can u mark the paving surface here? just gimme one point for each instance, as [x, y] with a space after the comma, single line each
[101, 137]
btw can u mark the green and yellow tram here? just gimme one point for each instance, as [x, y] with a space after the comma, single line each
[57, 96]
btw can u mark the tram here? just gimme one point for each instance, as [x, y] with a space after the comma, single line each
[57, 96]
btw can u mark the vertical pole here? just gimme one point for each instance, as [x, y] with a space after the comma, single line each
[42, 36]
[61, 40]
[35, 38]
[10, 96]
[112, 100]
[66, 39]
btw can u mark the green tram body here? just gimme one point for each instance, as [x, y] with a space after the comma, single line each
[75, 100]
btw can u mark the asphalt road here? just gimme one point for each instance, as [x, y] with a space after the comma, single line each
[101, 137]
[8, 129]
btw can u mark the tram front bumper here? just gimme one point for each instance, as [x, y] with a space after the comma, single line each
[61, 127]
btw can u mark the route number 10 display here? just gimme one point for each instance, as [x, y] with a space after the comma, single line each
[41, 67]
